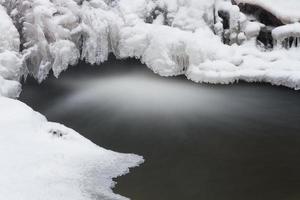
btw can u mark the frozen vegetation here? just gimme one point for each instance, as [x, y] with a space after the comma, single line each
[10, 58]
[213, 41]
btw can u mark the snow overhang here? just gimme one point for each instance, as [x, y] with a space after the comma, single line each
[290, 30]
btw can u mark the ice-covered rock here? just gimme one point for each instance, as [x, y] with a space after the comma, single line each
[286, 11]
[46, 26]
[231, 19]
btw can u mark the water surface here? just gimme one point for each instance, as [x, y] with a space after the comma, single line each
[200, 142]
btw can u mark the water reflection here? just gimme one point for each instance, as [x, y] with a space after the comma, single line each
[199, 141]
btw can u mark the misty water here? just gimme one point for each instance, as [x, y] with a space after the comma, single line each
[199, 141]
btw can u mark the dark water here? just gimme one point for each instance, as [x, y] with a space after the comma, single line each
[200, 142]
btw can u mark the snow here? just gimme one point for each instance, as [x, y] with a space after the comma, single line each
[169, 51]
[44, 160]
[171, 37]
[100, 27]
[290, 30]
[252, 29]
[287, 34]
[40, 159]
[198, 53]
[287, 11]
[279, 67]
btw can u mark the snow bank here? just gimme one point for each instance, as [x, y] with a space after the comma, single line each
[278, 67]
[43, 160]
[171, 51]
[202, 57]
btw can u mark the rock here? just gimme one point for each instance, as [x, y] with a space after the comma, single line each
[261, 14]
[265, 36]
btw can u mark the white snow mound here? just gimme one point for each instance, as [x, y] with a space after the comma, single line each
[43, 160]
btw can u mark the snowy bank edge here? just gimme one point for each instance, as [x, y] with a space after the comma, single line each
[44, 160]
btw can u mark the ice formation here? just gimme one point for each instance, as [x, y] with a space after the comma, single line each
[214, 38]
[287, 35]
[10, 58]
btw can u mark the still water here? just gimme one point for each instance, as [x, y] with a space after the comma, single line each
[200, 142]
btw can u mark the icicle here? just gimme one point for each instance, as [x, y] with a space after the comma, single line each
[182, 61]
[275, 43]
[294, 42]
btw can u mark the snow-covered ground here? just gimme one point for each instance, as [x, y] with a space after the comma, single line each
[43, 160]
[171, 37]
